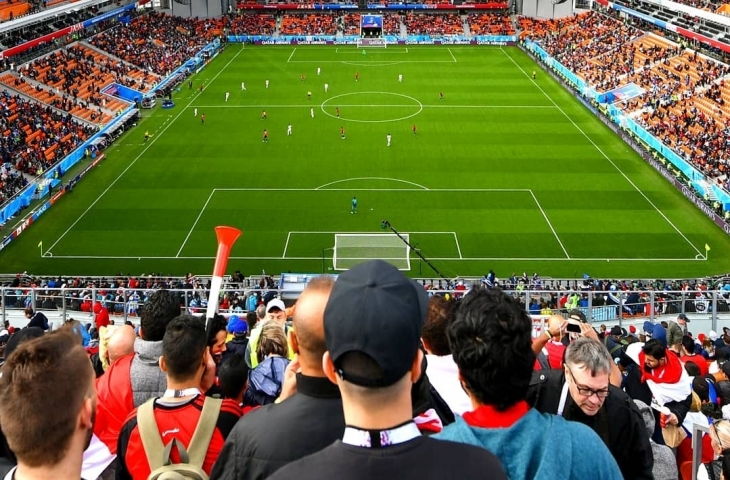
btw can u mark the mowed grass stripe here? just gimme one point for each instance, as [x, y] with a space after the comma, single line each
[539, 149]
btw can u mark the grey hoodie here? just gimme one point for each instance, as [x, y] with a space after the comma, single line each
[147, 379]
[665, 464]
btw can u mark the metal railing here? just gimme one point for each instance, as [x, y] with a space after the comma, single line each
[707, 310]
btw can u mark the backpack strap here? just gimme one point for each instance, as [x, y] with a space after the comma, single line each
[543, 361]
[157, 454]
[198, 447]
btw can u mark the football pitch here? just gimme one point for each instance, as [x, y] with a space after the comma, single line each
[503, 172]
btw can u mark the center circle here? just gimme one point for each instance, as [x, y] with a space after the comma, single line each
[375, 100]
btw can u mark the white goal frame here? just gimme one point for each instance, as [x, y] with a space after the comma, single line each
[372, 43]
[390, 248]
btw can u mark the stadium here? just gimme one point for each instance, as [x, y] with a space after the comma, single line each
[573, 154]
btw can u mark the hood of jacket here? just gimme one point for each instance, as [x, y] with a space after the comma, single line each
[268, 376]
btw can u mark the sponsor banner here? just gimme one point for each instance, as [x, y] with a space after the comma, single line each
[690, 195]
[40, 210]
[351, 40]
[375, 6]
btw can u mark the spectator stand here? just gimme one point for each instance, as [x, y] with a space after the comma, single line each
[674, 107]
[181, 44]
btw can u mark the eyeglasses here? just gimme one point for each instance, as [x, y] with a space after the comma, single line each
[583, 390]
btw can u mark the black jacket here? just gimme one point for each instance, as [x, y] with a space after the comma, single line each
[237, 346]
[38, 320]
[618, 422]
[274, 435]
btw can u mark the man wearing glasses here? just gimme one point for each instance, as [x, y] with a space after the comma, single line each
[581, 392]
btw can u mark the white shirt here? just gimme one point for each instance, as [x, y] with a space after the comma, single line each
[444, 376]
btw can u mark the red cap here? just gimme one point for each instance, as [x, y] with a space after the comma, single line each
[632, 329]
[701, 337]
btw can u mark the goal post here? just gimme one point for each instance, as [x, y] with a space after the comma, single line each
[372, 43]
[354, 248]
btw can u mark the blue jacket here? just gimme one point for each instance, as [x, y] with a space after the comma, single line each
[541, 447]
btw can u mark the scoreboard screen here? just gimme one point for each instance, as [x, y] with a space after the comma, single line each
[371, 21]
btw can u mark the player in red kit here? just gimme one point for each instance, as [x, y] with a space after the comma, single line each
[357, 76]
[202, 118]
[342, 132]
[265, 137]
[414, 129]
[337, 112]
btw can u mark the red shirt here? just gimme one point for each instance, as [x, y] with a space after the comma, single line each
[173, 421]
[698, 360]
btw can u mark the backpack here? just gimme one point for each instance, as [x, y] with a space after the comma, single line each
[192, 458]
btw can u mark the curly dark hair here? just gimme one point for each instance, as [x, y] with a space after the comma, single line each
[160, 308]
[491, 340]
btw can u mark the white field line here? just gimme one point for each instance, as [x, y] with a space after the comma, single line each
[195, 223]
[604, 154]
[135, 160]
[549, 224]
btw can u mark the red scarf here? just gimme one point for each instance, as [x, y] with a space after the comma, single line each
[670, 372]
[486, 416]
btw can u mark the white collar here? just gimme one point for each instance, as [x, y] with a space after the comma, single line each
[380, 438]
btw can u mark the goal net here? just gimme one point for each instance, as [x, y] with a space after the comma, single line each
[353, 248]
[372, 43]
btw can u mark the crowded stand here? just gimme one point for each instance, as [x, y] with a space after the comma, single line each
[463, 386]
[490, 24]
[11, 181]
[391, 23]
[435, 25]
[155, 42]
[351, 24]
[308, 24]
[637, 390]
[253, 24]
[35, 135]
[684, 103]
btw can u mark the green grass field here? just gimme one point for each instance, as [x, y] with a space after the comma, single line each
[505, 172]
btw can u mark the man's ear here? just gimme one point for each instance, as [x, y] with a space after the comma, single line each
[163, 364]
[416, 369]
[329, 368]
[86, 415]
[293, 341]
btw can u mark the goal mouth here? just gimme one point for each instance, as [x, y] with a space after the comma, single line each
[372, 43]
[354, 248]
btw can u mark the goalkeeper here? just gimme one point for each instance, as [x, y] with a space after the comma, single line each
[353, 208]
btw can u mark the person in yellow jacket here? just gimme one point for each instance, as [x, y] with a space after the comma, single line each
[276, 311]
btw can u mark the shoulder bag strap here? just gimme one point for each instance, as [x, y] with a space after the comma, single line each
[150, 435]
[198, 447]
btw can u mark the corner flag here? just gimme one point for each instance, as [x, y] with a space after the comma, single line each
[707, 247]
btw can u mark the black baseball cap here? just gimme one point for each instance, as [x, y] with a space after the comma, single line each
[682, 316]
[376, 310]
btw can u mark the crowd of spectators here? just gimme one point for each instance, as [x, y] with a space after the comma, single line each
[34, 135]
[391, 23]
[308, 24]
[351, 24]
[490, 24]
[314, 389]
[253, 24]
[155, 42]
[11, 181]
[435, 25]
[684, 101]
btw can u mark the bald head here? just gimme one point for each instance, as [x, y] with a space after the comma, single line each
[120, 343]
[308, 333]
[554, 323]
